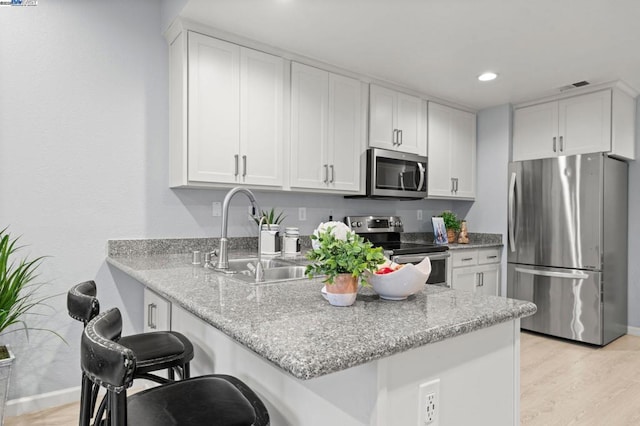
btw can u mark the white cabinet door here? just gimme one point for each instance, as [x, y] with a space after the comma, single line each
[214, 109]
[452, 153]
[326, 132]
[395, 121]
[309, 106]
[345, 133]
[463, 154]
[408, 124]
[464, 279]
[261, 91]
[585, 124]
[489, 279]
[157, 312]
[535, 132]
[382, 117]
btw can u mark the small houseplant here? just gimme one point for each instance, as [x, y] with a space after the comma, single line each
[342, 257]
[452, 224]
[270, 218]
[18, 295]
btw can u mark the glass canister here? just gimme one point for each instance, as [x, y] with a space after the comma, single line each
[291, 240]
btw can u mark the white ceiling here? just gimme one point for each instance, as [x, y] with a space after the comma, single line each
[439, 47]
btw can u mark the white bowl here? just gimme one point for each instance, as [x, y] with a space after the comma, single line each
[400, 284]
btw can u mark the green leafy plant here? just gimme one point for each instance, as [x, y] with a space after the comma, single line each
[450, 220]
[18, 292]
[270, 217]
[352, 255]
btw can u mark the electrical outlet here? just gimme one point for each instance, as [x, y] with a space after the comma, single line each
[419, 214]
[428, 403]
[302, 213]
[217, 209]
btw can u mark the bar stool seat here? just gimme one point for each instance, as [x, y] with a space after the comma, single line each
[158, 349]
[211, 400]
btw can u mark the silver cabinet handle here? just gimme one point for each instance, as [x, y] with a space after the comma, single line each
[511, 215]
[244, 165]
[400, 140]
[236, 158]
[481, 279]
[456, 182]
[553, 274]
[395, 137]
[332, 173]
[466, 259]
[151, 307]
[326, 173]
[561, 143]
[554, 144]
[492, 257]
[452, 186]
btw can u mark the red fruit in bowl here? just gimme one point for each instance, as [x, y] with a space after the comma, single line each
[384, 270]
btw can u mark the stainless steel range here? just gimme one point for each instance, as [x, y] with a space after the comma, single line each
[386, 232]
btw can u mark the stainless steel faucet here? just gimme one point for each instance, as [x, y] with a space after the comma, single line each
[223, 256]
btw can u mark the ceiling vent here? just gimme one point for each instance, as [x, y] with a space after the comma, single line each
[574, 85]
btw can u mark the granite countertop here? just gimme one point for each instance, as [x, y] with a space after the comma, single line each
[294, 327]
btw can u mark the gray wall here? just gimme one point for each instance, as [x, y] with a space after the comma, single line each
[489, 212]
[634, 231]
[84, 159]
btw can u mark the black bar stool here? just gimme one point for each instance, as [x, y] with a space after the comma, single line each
[212, 400]
[154, 351]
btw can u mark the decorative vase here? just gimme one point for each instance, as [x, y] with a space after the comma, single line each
[5, 374]
[451, 236]
[463, 237]
[343, 291]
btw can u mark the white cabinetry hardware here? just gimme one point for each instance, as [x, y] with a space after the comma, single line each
[326, 130]
[226, 115]
[396, 121]
[476, 270]
[452, 153]
[599, 121]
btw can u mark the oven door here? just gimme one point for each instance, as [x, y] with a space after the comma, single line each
[439, 264]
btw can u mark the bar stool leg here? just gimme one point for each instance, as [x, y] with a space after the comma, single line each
[85, 401]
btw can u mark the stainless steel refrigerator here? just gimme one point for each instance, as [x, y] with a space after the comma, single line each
[567, 245]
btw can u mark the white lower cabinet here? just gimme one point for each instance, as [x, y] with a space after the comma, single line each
[157, 312]
[476, 270]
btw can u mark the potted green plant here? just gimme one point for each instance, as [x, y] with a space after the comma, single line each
[452, 224]
[270, 218]
[343, 257]
[18, 295]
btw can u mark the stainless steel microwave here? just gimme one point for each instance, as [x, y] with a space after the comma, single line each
[396, 174]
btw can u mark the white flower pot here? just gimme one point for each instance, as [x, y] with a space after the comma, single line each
[5, 375]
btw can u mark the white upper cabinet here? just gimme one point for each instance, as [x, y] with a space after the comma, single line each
[232, 113]
[452, 153]
[326, 130]
[600, 121]
[395, 121]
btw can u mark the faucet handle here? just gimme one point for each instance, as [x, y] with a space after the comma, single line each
[214, 252]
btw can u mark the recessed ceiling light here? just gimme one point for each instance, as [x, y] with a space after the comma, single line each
[487, 76]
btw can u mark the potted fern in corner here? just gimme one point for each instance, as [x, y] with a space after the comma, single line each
[17, 297]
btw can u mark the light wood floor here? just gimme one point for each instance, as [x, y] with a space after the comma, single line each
[562, 384]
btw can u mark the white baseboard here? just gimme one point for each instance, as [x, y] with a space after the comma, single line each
[634, 331]
[28, 404]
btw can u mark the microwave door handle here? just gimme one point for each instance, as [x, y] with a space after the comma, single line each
[422, 173]
[401, 174]
[511, 216]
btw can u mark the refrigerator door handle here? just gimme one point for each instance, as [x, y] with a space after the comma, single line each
[512, 207]
[570, 275]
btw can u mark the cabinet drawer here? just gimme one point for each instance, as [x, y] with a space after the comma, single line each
[464, 258]
[489, 255]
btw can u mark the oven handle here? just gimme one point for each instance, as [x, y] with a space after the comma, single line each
[409, 258]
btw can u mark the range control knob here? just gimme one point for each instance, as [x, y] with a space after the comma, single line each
[354, 224]
[359, 224]
[399, 224]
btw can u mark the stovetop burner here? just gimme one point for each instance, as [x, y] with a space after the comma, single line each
[385, 231]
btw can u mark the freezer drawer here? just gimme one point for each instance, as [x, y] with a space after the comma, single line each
[569, 301]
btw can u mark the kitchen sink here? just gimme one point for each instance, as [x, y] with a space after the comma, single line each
[274, 270]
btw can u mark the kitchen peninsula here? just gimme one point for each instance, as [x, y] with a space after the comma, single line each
[315, 364]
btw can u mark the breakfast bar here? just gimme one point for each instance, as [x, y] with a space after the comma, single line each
[373, 363]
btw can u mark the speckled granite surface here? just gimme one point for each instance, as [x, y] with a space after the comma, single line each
[291, 325]
[476, 240]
